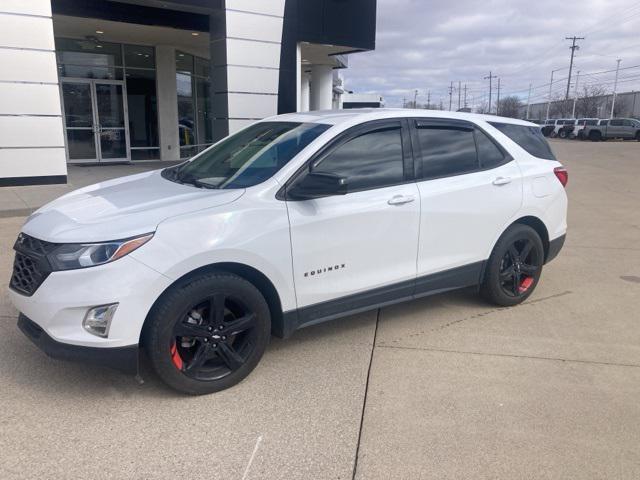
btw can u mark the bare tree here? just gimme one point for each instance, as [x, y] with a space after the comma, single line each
[590, 102]
[509, 106]
[561, 108]
[483, 108]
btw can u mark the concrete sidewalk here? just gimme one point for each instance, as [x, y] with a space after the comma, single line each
[446, 387]
[21, 201]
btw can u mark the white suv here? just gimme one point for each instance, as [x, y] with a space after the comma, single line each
[294, 220]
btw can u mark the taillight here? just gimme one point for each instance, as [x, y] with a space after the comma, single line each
[562, 175]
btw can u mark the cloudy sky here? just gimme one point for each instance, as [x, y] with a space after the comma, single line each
[426, 44]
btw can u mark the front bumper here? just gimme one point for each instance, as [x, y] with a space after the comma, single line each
[124, 359]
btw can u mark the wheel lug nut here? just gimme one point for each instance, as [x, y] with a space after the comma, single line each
[210, 328]
[221, 327]
[214, 345]
[206, 340]
[224, 337]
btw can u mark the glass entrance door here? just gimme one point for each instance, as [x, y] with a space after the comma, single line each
[95, 120]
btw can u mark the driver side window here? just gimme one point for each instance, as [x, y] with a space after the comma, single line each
[370, 160]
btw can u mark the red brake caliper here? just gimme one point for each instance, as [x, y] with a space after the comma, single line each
[175, 356]
[525, 284]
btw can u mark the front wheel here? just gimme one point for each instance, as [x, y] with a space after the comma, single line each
[514, 267]
[563, 134]
[209, 334]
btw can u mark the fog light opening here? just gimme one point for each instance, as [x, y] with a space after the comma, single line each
[98, 319]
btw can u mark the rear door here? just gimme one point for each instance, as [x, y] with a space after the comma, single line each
[469, 189]
[615, 128]
[345, 245]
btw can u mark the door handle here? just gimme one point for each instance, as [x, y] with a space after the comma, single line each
[400, 199]
[502, 180]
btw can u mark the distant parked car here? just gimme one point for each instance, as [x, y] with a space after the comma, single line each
[625, 128]
[552, 126]
[579, 126]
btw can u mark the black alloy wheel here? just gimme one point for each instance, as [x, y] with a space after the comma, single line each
[214, 338]
[514, 267]
[519, 267]
[208, 334]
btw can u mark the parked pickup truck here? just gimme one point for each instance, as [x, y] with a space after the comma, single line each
[626, 128]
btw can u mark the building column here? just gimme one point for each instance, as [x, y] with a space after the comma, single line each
[304, 92]
[245, 62]
[321, 96]
[167, 103]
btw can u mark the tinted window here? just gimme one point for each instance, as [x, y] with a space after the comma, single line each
[447, 151]
[248, 157]
[373, 159]
[604, 122]
[627, 123]
[591, 122]
[615, 123]
[529, 138]
[489, 154]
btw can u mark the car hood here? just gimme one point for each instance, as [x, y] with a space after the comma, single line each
[120, 208]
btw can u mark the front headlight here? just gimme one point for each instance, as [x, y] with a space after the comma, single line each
[82, 255]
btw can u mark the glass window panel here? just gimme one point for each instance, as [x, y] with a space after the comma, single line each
[113, 143]
[78, 111]
[136, 56]
[529, 138]
[447, 151]
[186, 123]
[203, 107]
[108, 53]
[489, 154]
[184, 62]
[372, 160]
[110, 107]
[202, 67]
[142, 103]
[81, 144]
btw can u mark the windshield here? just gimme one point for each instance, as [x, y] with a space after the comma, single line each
[247, 158]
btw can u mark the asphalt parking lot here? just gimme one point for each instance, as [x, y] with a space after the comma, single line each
[445, 387]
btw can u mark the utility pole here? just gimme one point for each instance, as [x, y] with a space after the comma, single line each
[498, 101]
[450, 94]
[465, 95]
[429, 99]
[575, 95]
[459, 93]
[528, 103]
[573, 50]
[615, 87]
[415, 98]
[490, 77]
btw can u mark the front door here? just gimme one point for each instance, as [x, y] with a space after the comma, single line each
[366, 240]
[95, 117]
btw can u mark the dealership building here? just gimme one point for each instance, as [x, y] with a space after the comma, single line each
[102, 81]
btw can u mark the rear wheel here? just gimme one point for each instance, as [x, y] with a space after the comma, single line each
[209, 334]
[563, 134]
[595, 136]
[514, 267]
[638, 135]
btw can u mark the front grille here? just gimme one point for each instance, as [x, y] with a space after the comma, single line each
[30, 266]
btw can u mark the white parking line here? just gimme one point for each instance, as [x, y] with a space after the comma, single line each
[255, 450]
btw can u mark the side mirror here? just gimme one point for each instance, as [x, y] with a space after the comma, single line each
[317, 185]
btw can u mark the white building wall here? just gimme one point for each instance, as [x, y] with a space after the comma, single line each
[31, 132]
[246, 84]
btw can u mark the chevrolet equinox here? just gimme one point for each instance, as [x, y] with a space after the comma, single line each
[292, 221]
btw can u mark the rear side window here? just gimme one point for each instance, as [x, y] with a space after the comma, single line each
[371, 160]
[591, 122]
[615, 123]
[447, 151]
[489, 155]
[529, 138]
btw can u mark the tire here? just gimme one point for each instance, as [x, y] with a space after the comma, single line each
[222, 345]
[595, 136]
[563, 134]
[638, 136]
[509, 277]
[553, 134]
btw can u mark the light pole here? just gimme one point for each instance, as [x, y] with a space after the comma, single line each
[615, 87]
[550, 87]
